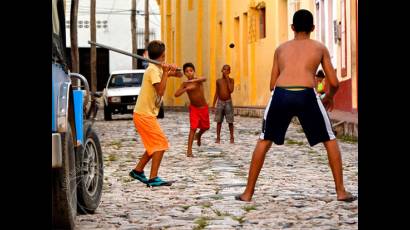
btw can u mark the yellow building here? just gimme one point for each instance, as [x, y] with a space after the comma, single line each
[200, 32]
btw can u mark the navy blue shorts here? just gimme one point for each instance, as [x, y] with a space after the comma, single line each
[306, 106]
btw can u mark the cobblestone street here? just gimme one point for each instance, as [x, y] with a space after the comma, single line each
[295, 189]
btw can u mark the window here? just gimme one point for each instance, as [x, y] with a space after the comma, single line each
[327, 27]
[236, 51]
[322, 22]
[262, 22]
[317, 20]
[245, 43]
[126, 80]
[191, 4]
[343, 39]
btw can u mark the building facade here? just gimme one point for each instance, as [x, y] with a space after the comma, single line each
[113, 24]
[201, 32]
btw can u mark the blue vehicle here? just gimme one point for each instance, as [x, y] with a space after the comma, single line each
[77, 163]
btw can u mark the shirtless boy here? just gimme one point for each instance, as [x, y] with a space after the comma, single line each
[198, 108]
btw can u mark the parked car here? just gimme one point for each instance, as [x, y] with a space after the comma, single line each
[122, 91]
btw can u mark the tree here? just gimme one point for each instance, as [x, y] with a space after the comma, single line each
[75, 64]
[146, 33]
[93, 55]
[134, 31]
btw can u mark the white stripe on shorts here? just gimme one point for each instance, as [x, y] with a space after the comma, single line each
[266, 113]
[325, 117]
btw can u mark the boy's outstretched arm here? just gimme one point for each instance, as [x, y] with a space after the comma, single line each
[180, 91]
[331, 77]
[199, 79]
[275, 71]
[175, 73]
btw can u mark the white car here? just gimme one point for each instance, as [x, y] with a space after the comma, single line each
[121, 92]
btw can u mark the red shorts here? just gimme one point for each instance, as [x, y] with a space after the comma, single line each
[199, 117]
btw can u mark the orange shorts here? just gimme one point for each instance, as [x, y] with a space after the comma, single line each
[152, 136]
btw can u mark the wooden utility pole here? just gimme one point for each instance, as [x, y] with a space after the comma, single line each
[134, 31]
[146, 33]
[75, 64]
[93, 56]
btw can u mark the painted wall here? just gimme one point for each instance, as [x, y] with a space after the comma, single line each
[200, 32]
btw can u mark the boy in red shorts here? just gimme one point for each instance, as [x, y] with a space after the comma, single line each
[198, 109]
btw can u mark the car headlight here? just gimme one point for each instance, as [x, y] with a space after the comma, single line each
[114, 99]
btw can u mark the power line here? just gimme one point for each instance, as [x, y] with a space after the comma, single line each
[111, 13]
[112, 7]
[113, 10]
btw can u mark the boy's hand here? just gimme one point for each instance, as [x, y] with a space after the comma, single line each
[212, 108]
[177, 74]
[165, 67]
[328, 103]
[170, 69]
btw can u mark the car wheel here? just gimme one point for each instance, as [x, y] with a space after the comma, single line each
[64, 193]
[90, 172]
[107, 113]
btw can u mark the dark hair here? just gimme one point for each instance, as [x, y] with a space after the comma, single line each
[188, 64]
[226, 65]
[155, 49]
[320, 74]
[303, 21]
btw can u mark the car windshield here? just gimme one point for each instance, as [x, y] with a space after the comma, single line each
[126, 80]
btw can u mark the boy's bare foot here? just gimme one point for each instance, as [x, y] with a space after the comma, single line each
[190, 155]
[241, 197]
[232, 141]
[198, 139]
[346, 197]
[217, 141]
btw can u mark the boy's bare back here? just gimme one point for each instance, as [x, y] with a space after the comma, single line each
[296, 62]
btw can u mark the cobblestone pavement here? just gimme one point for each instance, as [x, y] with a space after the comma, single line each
[295, 189]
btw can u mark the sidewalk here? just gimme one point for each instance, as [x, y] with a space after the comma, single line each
[344, 123]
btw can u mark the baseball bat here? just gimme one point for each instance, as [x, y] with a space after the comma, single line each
[127, 53]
